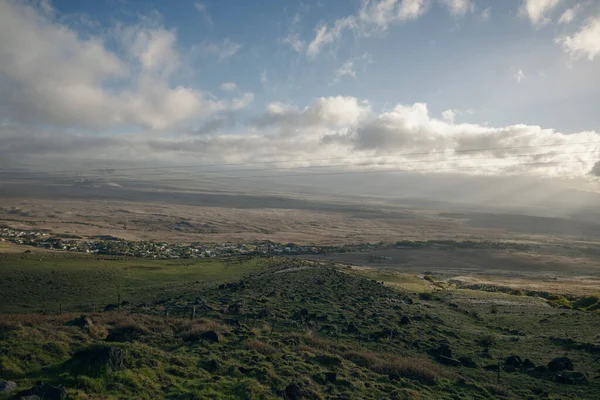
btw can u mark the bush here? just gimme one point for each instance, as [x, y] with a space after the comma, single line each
[487, 340]
[587, 302]
[261, 347]
[558, 301]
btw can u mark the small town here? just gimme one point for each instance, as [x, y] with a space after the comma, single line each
[110, 245]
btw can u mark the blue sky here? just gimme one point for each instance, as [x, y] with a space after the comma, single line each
[188, 74]
[467, 61]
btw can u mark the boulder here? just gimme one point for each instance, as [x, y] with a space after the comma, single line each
[560, 364]
[210, 336]
[7, 386]
[514, 361]
[468, 362]
[98, 358]
[405, 320]
[126, 333]
[293, 392]
[527, 365]
[571, 378]
[45, 392]
[82, 321]
[209, 365]
[449, 361]
[444, 350]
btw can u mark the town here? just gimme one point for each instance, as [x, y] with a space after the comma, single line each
[110, 245]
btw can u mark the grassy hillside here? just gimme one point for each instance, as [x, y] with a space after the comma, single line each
[45, 280]
[293, 329]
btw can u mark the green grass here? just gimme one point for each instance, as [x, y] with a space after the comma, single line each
[42, 281]
[287, 325]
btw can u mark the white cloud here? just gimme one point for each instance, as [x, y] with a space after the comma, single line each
[449, 116]
[294, 42]
[228, 87]
[325, 34]
[201, 7]
[584, 42]
[242, 102]
[536, 10]
[519, 75]
[347, 69]
[459, 7]
[50, 74]
[224, 49]
[569, 15]
[334, 127]
[372, 15]
[486, 14]
[264, 79]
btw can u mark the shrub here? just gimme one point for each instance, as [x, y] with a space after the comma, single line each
[261, 347]
[487, 340]
[587, 302]
[558, 301]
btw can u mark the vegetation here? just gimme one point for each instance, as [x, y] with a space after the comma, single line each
[284, 328]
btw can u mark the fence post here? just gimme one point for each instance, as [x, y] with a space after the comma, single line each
[193, 314]
[498, 379]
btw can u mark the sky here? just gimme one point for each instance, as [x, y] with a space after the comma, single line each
[468, 86]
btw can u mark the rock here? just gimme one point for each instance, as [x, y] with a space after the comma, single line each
[351, 328]
[209, 365]
[571, 378]
[45, 392]
[405, 320]
[560, 364]
[293, 392]
[7, 386]
[126, 333]
[509, 368]
[444, 350]
[82, 321]
[527, 365]
[449, 361]
[110, 307]
[468, 362]
[329, 361]
[210, 336]
[514, 361]
[98, 358]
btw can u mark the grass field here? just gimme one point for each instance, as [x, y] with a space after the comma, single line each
[45, 280]
[282, 328]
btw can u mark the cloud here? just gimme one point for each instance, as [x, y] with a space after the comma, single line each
[242, 102]
[50, 74]
[536, 10]
[373, 15]
[569, 15]
[264, 79]
[229, 87]
[223, 50]
[519, 75]
[449, 115]
[201, 7]
[328, 129]
[347, 69]
[584, 42]
[459, 7]
[325, 112]
[215, 124]
[485, 14]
